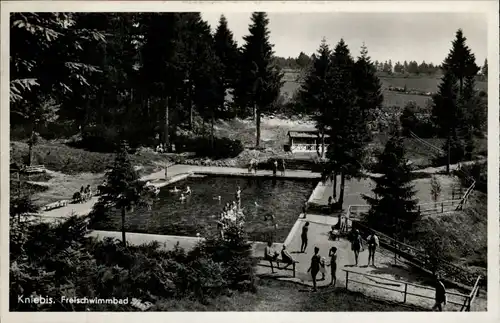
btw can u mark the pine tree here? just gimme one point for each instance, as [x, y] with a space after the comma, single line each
[207, 77]
[227, 52]
[162, 75]
[260, 80]
[123, 189]
[484, 69]
[451, 106]
[347, 134]
[461, 62]
[368, 88]
[392, 210]
[313, 94]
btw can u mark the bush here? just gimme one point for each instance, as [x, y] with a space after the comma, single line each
[413, 121]
[203, 146]
[99, 138]
[57, 260]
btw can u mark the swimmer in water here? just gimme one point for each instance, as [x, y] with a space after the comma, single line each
[217, 198]
[182, 198]
[257, 205]
[175, 190]
[188, 190]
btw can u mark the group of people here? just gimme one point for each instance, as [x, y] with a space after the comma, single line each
[184, 193]
[281, 166]
[357, 245]
[85, 194]
[161, 148]
[272, 256]
[318, 263]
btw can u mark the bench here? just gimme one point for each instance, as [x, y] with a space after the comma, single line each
[34, 169]
[278, 260]
[55, 205]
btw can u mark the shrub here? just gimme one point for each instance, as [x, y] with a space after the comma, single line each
[99, 138]
[412, 120]
[203, 146]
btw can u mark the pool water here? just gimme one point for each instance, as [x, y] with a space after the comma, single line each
[199, 212]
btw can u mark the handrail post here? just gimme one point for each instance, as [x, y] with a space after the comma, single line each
[442, 207]
[406, 290]
[346, 279]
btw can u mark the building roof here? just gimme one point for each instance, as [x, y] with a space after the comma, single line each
[304, 133]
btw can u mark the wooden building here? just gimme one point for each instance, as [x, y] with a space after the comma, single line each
[305, 141]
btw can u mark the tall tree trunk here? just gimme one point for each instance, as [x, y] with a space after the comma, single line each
[190, 103]
[257, 128]
[322, 144]
[212, 122]
[342, 185]
[448, 154]
[335, 185]
[167, 117]
[254, 112]
[30, 152]
[124, 241]
[31, 143]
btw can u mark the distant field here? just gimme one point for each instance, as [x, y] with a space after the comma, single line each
[427, 84]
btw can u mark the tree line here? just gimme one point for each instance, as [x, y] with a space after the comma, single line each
[136, 76]
[344, 97]
[303, 61]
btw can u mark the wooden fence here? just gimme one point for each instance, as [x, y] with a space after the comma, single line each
[464, 304]
[411, 254]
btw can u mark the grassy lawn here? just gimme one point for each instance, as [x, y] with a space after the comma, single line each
[62, 158]
[274, 295]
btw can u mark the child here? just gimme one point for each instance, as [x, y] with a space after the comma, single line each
[322, 269]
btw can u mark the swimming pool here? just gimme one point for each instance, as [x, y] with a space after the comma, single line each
[198, 213]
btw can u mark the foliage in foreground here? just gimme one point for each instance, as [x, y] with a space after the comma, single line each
[53, 261]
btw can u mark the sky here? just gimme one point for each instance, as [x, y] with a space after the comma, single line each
[396, 36]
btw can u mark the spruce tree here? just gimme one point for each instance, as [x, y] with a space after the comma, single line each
[314, 92]
[368, 88]
[484, 69]
[162, 74]
[347, 131]
[226, 50]
[123, 189]
[392, 210]
[260, 80]
[460, 62]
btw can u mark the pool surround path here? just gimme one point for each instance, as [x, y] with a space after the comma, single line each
[318, 236]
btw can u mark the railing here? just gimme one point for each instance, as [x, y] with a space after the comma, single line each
[465, 197]
[306, 147]
[472, 296]
[465, 304]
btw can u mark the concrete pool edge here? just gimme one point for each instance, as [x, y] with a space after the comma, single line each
[314, 194]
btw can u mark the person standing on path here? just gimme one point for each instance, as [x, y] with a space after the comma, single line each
[282, 167]
[372, 247]
[303, 237]
[333, 264]
[356, 244]
[314, 268]
[440, 295]
[304, 209]
[275, 167]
